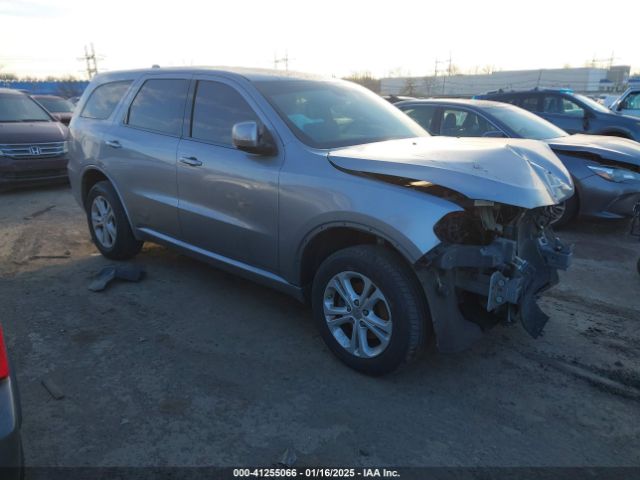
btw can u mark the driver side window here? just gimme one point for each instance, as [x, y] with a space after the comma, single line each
[423, 115]
[216, 109]
[560, 105]
[463, 123]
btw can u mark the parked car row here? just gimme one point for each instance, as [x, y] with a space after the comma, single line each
[324, 190]
[572, 112]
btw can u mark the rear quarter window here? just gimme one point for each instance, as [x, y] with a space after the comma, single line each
[103, 100]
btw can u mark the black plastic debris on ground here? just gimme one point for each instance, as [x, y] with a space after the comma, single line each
[128, 273]
[54, 390]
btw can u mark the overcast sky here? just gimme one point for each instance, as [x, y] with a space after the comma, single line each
[332, 37]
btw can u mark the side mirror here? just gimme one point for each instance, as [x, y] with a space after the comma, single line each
[494, 134]
[249, 137]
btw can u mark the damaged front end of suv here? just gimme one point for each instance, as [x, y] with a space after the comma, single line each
[497, 252]
[493, 263]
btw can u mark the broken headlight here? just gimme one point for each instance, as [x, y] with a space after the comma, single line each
[477, 225]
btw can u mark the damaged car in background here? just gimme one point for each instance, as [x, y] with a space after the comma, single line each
[605, 170]
[325, 191]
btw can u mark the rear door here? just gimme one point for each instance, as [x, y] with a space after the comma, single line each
[228, 198]
[140, 148]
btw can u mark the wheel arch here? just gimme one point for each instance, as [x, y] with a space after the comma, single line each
[329, 238]
[92, 175]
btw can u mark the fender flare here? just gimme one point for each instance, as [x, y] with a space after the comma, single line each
[314, 232]
[92, 167]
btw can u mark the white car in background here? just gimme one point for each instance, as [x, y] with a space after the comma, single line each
[628, 103]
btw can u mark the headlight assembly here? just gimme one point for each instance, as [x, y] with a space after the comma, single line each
[614, 174]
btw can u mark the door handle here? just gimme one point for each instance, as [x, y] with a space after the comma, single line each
[113, 143]
[191, 161]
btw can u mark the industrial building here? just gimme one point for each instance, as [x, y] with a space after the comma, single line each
[586, 79]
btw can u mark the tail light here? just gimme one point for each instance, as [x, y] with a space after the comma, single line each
[4, 361]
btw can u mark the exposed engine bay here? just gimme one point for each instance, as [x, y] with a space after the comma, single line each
[494, 262]
[496, 252]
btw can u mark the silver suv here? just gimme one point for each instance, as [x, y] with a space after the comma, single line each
[321, 189]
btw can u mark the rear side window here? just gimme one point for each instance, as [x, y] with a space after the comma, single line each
[159, 106]
[423, 115]
[531, 103]
[103, 100]
[216, 109]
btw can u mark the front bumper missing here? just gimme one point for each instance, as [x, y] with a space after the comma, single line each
[470, 287]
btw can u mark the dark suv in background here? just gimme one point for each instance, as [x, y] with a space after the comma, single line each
[33, 145]
[572, 112]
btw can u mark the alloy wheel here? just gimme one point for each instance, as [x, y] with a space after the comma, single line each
[357, 314]
[103, 220]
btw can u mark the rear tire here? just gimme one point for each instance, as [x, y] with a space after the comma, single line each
[108, 223]
[387, 311]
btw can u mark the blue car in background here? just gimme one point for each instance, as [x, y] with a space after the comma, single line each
[572, 112]
[605, 169]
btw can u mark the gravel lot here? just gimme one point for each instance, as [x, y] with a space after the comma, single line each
[193, 366]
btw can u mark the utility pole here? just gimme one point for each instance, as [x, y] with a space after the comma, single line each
[435, 75]
[444, 80]
[91, 61]
[285, 60]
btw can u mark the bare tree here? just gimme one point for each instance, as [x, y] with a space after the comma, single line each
[488, 69]
[410, 87]
[366, 79]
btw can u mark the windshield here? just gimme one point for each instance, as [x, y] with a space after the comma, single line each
[592, 104]
[20, 108]
[336, 114]
[56, 105]
[525, 124]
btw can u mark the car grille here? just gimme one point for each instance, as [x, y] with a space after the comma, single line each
[33, 150]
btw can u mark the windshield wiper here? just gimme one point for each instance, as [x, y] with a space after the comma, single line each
[34, 120]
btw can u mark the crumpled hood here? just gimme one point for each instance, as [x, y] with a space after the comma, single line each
[34, 132]
[523, 173]
[606, 147]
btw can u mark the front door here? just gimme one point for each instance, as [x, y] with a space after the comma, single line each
[228, 199]
[564, 113]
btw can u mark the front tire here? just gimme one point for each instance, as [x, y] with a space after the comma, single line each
[370, 309]
[563, 213]
[108, 223]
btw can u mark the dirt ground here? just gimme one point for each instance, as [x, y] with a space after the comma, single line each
[193, 366]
